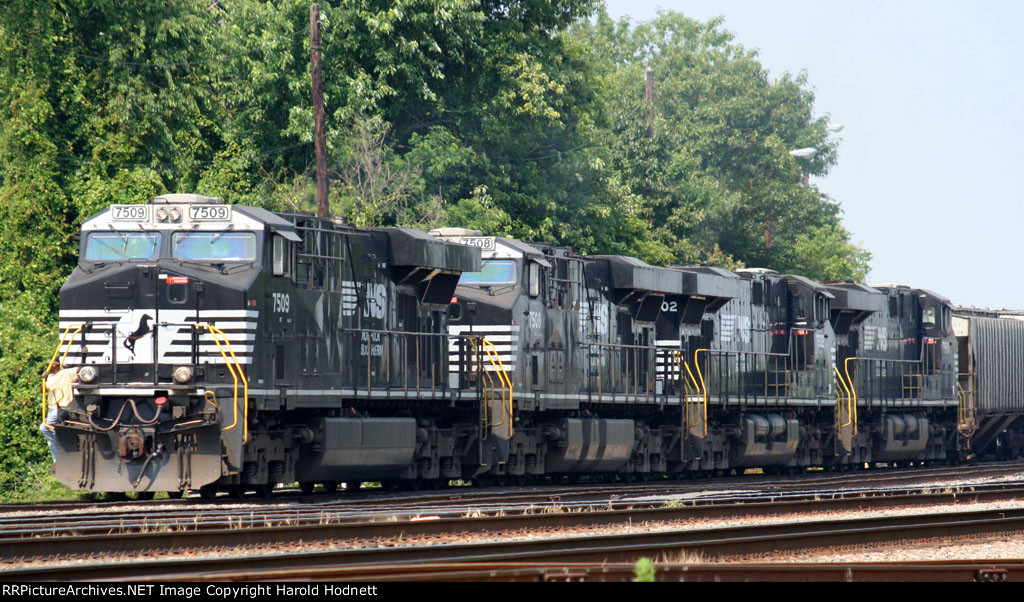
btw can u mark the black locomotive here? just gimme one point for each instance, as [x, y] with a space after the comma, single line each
[228, 347]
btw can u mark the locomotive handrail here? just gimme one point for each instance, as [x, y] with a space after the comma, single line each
[236, 373]
[617, 347]
[839, 401]
[56, 352]
[962, 413]
[486, 389]
[385, 358]
[765, 354]
[853, 390]
[682, 363]
[495, 359]
[906, 386]
[703, 385]
[965, 416]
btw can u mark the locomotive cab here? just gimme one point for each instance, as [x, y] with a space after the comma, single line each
[811, 336]
[509, 317]
[157, 305]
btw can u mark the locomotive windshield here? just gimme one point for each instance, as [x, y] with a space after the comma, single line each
[215, 246]
[494, 271]
[121, 246]
[928, 317]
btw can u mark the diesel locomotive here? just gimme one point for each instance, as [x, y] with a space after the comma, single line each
[221, 347]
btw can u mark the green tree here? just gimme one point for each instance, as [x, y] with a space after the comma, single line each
[712, 167]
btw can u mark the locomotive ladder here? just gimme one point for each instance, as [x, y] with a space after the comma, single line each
[967, 422]
[482, 346]
[66, 338]
[237, 375]
[695, 399]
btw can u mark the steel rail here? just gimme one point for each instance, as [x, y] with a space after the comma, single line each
[77, 540]
[716, 506]
[840, 572]
[709, 543]
[582, 492]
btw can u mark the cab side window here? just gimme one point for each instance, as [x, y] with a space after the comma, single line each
[281, 263]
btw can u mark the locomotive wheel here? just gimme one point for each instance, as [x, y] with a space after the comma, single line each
[117, 496]
[307, 487]
[236, 491]
[145, 495]
[175, 495]
[264, 490]
[353, 485]
[208, 492]
[330, 486]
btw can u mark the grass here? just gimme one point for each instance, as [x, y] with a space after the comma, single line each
[36, 484]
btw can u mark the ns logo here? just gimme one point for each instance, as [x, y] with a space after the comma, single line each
[376, 300]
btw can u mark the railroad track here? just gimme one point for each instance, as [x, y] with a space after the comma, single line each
[706, 543]
[922, 572]
[385, 501]
[27, 538]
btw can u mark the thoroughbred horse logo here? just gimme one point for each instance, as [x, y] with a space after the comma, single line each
[142, 330]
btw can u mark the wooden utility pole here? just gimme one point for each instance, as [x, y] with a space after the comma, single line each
[320, 136]
[649, 97]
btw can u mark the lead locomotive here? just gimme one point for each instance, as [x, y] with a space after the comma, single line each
[228, 346]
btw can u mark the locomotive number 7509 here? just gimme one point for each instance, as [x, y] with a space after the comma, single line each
[214, 213]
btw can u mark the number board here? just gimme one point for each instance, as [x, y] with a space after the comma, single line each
[209, 213]
[134, 213]
[484, 243]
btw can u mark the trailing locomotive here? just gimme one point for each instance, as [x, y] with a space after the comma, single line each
[226, 347]
[635, 370]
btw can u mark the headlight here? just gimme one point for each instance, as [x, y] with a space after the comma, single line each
[161, 215]
[87, 374]
[182, 374]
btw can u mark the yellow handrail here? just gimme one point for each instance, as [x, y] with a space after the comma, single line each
[492, 355]
[236, 374]
[488, 387]
[703, 386]
[853, 391]
[681, 361]
[964, 410]
[56, 352]
[839, 400]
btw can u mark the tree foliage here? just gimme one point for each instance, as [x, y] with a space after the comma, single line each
[712, 167]
[518, 117]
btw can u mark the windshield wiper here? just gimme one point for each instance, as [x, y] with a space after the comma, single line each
[219, 234]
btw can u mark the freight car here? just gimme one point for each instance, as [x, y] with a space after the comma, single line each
[221, 347]
[990, 345]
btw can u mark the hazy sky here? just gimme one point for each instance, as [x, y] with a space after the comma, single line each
[931, 96]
